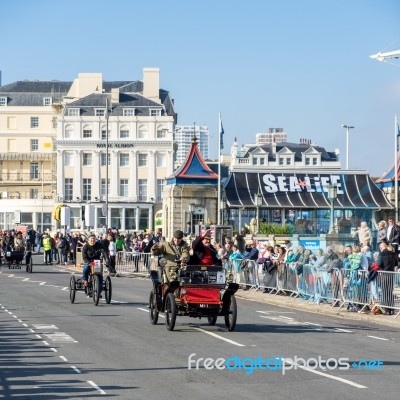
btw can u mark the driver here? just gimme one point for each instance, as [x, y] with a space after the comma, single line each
[174, 253]
[92, 250]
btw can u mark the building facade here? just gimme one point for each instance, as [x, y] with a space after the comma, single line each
[288, 183]
[104, 144]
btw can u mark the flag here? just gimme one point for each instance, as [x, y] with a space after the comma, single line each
[221, 133]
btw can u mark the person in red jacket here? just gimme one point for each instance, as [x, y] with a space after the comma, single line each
[204, 253]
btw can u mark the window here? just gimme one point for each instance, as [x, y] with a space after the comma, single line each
[162, 133]
[124, 133]
[161, 160]
[99, 112]
[34, 144]
[54, 122]
[69, 132]
[288, 161]
[142, 132]
[68, 189]
[104, 133]
[87, 132]
[3, 101]
[254, 161]
[281, 160]
[308, 161]
[315, 161]
[130, 218]
[34, 171]
[87, 189]
[73, 112]
[155, 112]
[128, 112]
[123, 187]
[123, 160]
[142, 192]
[262, 161]
[87, 159]
[33, 193]
[103, 160]
[68, 159]
[160, 188]
[34, 122]
[104, 188]
[47, 101]
[142, 160]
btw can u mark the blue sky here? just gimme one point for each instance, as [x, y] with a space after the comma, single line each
[300, 65]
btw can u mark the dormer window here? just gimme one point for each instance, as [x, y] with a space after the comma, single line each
[99, 112]
[155, 112]
[73, 112]
[128, 112]
[47, 101]
[3, 101]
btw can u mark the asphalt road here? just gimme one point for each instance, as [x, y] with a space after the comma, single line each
[52, 349]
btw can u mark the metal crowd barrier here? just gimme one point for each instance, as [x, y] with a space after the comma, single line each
[338, 287]
[132, 263]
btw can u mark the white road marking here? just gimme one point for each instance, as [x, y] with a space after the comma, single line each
[281, 316]
[44, 342]
[53, 349]
[343, 330]
[146, 310]
[20, 320]
[25, 325]
[14, 316]
[219, 337]
[44, 326]
[9, 312]
[76, 369]
[26, 279]
[60, 337]
[311, 323]
[41, 284]
[63, 358]
[336, 378]
[376, 337]
[96, 387]
[38, 336]
[65, 288]
[31, 330]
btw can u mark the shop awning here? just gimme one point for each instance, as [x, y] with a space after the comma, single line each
[304, 190]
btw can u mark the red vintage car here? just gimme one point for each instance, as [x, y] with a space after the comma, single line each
[197, 292]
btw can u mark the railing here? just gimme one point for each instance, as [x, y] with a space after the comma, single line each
[357, 290]
[132, 263]
[27, 177]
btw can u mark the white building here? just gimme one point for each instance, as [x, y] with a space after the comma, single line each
[183, 139]
[72, 119]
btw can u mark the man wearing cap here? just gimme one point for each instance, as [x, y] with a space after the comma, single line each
[173, 253]
[204, 252]
[92, 250]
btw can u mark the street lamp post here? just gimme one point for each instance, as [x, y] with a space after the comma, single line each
[332, 195]
[191, 212]
[258, 203]
[347, 127]
[106, 115]
[222, 208]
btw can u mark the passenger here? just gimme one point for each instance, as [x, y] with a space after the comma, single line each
[19, 242]
[174, 253]
[204, 252]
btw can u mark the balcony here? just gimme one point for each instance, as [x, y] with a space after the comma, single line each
[33, 156]
[9, 178]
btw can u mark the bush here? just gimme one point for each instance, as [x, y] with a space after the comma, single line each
[276, 229]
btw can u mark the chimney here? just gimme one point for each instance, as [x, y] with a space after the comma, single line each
[151, 84]
[86, 84]
[114, 95]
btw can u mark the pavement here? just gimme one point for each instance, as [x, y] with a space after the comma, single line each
[301, 305]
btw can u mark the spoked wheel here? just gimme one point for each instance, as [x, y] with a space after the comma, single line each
[108, 290]
[153, 314]
[72, 289]
[212, 319]
[170, 311]
[96, 289]
[230, 317]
